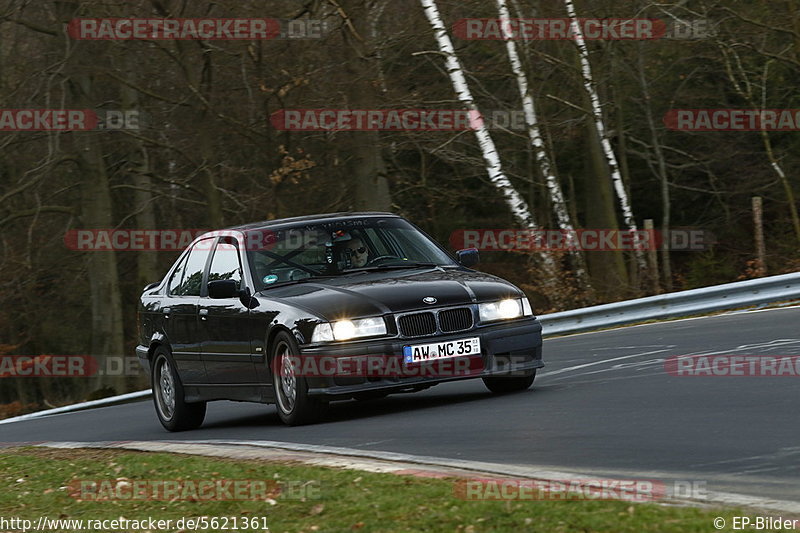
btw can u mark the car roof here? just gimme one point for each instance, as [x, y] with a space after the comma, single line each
[329, 217]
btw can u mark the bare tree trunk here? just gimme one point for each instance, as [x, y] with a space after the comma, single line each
[213, 195]
[794, 16]
[105, 300]
[597, 112]
[364, 157]
[758, 223]
[516, 203]
[143, 204]
[609, 275]
[652, 261]
[744, 88]
[662, 175]
[106, 329]
[368, 170]
[534, 134]
[201, 87]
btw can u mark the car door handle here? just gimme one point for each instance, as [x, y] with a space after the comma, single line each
[166, 312]
[204, 314]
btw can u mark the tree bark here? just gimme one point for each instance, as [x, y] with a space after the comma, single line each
[534, 134]
[609, 275]
[516, 203]
[599, 123]
[144, 207]
[106, 329]
[744, 88]
[362, 150]
[662, 175]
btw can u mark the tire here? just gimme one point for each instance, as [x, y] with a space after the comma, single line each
[173, 412]
[503, 385]
[295, 407]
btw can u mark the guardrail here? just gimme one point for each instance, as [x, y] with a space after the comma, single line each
[94, 404]
[760, 291]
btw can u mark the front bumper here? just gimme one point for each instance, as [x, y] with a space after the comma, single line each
[507, 349]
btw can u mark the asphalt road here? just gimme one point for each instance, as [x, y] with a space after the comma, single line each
[603, 405]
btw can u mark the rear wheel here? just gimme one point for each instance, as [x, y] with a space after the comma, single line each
[173, 412]
[295, 407]
[502, 384]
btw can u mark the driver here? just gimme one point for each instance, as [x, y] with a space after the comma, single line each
[357, 252]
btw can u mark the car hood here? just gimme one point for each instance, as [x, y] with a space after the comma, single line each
[396, 291]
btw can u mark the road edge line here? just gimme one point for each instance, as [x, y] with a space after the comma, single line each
[103, 402]
[320, 453]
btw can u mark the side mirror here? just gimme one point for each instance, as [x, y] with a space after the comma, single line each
[223, 288]
[468, 257]
[151, 286]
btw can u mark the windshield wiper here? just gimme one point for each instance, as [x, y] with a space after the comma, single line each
[391, 267]
[361, 270]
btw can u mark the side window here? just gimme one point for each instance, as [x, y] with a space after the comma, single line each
[225, 263]
[195, 264]
[177, 278]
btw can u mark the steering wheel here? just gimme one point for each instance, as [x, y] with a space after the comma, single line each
[373, 262]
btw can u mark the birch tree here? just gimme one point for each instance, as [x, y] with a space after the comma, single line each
[516, 203]
[537, 143]
[597, 115]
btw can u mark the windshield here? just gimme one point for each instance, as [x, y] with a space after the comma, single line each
[340, 248]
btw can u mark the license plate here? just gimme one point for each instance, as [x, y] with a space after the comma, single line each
[418, 353]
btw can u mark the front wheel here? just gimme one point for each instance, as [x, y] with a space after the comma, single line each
[502, 384]
[295, 407]
[173, 412]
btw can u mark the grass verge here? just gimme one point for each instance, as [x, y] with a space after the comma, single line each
[38, 482]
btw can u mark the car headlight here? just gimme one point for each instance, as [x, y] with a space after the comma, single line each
[343, 330]
[504, 309]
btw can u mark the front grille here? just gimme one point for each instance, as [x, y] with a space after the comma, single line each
[455, 319]
[417, 325]
[436, 321]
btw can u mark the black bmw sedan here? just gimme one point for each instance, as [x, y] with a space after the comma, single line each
[303, 311]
